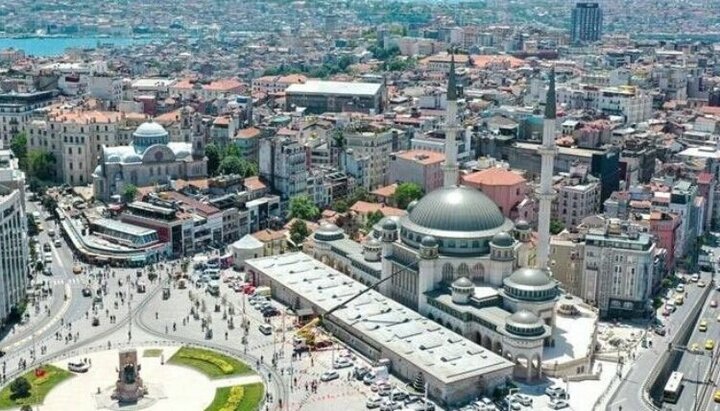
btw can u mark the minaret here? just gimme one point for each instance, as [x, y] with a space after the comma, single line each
[546, 194]
[451, 168]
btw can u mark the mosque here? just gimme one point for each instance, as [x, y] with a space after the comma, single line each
[151, 158]
[457, 260]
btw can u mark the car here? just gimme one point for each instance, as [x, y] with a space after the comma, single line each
[515, 406]
[701, 283]
[713, 303]
[422, 406]
[695, 278]
[389, 405]
[660, 330]
[360, 372]
[329, 375]
[522, 399]
[374, 402]
[558, 404]
[342, 362]
[265, 329]
[666, 312]
[398, 395]
[411, 399]
[680, 288]
[369, 378]
[271, 313]
[555, 391]
[716, 397]
[709, 344]
[78, 366]
[695, 347]
[703, 325]
[679, 300]
[384, 389]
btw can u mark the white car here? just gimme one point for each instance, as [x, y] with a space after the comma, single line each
[342, 362]
[694, 278]
[558, 404]
[680, 288]
[329, 376]
[389, 405]
[384, 389]
[522, 399]
[374, 401]
[555, 391]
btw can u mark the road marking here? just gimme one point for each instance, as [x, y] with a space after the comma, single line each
[39, 332]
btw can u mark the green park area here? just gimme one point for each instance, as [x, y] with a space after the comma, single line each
[32, 387]
[237, 398]
[210, 363]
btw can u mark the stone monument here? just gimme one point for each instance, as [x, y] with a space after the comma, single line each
[129, 387]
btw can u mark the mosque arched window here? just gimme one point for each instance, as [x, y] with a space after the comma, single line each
[447, 273]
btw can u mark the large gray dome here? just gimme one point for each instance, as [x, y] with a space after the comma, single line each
[457, 209]
[530, 277]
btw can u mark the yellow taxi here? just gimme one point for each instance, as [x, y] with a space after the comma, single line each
[679, 300]
[709, 344]
[703, 325]
[716, 397]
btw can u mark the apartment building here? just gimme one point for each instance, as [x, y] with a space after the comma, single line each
[276, 84]
[421, 167]
[16, 112]
[283, 165]
[578, 196]
[376, 145]
[628, 102]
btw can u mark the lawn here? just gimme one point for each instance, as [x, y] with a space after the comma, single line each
[237, 398]
[210, 363]
[152, 352]
[40, 387]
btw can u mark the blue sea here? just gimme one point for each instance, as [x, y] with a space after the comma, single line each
[55, 46]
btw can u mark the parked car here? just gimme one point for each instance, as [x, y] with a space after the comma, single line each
[374, 402]
[422, 406]
[329, 376]
[701, 283]
[522, 399]
[265, 329]
[360, 372]
[555, 391]
[397, 395]
[695, 278]
[369, 378]
[659, 330]
[680, 288]
[342, 362]
[558, 404]
[389, 405]
[78, 366]
[713, 303]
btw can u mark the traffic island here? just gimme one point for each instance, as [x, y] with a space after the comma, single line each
[238, 398]
[32, 387]
[211, 363]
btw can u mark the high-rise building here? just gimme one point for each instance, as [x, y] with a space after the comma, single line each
[13, 242]
[587, 21]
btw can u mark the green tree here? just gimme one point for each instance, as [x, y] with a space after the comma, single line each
[232, 165]
[405, 193]
[340, 206]
[299, 231]
[214, 157]
[251, 169]
[129, 192]
[232, 150]
[556, 226]
[373, 218]
[41, 164]
[20, 388]
[18, 145]
[302, 206]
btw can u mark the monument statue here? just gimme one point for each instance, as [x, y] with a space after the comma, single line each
[129, 387]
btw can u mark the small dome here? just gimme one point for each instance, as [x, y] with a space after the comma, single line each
[98, 170]
[530, 277]
[328, 232]
[132, 158]
[463, 282]
[522, 225]
[503, 240]
[150, 129]
[429, 241]
[523, 317]
[389, 225]
[373, 243]
[411, 205]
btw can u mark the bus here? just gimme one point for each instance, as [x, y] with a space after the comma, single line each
[674, 386]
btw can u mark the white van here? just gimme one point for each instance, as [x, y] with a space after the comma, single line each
[265, 329]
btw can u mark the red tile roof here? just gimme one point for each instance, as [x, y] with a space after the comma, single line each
[494, 177]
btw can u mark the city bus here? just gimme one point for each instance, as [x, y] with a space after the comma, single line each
[673, 388]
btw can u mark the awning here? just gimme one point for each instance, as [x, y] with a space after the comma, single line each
[138, 258]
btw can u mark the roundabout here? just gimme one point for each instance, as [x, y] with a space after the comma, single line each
[172, 377]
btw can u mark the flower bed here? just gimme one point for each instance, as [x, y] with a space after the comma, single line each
[237, 398]
[210, 363]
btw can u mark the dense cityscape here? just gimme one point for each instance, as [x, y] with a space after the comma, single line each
[404, 205]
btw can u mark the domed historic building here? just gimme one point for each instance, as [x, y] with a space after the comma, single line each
[151, 158]
[456, 259]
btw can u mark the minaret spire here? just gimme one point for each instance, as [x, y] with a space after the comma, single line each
[546, 194]
[450, 174]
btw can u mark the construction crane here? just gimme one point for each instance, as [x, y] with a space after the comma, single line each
[306, 336]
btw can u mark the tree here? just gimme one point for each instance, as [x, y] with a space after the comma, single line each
[18, 145]
[406, 193]
[299, 231]
[373, 218]
[212, 152]
[340, 206]
[20, 388]
[232, 165]
[129, 192]
[302, 206]
[556, 226]
[41, 164]
[232, 150]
